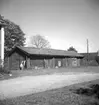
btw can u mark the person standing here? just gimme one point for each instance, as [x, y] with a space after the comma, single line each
[22, 65]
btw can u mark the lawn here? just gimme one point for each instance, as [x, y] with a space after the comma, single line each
[34, 72]
[61, 96]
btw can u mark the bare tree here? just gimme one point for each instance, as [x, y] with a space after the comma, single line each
[39, 41]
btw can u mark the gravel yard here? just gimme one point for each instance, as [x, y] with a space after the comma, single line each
[32, 84]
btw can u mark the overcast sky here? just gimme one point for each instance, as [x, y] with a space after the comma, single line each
[64, 23]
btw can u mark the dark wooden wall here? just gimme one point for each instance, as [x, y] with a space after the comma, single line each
[41, 61]
[14, 60]
[53, 62]
[89, 59]
[38, 61]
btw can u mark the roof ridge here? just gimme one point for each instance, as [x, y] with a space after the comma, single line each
[46, 49]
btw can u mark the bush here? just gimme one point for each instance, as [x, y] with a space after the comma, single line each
[3, 71]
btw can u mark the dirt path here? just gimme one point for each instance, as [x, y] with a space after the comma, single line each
[32, 84]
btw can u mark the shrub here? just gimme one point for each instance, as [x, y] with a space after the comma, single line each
[3, 71]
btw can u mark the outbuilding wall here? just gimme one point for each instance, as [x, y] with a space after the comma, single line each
[36, 61]
[39, 61]
[13, 61]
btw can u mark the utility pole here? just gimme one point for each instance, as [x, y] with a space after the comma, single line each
[87, 52]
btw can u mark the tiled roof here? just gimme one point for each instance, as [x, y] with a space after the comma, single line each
[53, 52]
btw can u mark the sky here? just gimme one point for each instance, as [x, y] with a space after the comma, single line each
[64, 23]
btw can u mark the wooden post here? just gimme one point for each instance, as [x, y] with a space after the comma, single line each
[64, 62]
[53, 62]
[78, 62]
[44, 63]
[66, 59]
[8, 63]
[28, 62]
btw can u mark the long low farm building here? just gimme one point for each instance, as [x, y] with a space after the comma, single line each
[41, 58]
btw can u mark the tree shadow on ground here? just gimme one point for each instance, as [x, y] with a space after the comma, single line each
[92, 90]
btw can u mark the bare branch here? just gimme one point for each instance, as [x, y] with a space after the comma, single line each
[39, 41]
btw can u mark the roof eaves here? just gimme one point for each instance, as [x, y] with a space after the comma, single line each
[23, 50]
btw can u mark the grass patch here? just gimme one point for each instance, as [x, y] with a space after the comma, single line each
[35, 72]
[4, 74]
[62, 96]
